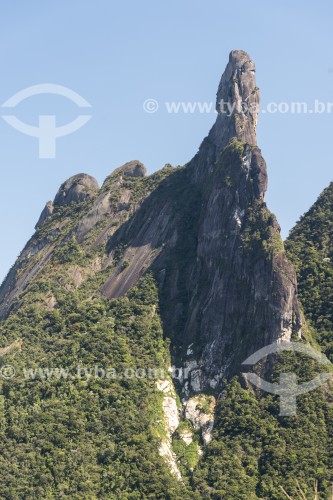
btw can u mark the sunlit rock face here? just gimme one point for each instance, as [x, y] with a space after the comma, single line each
[78, 188]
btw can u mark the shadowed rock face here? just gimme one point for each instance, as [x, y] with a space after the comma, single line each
[221, 292]
[226, 287]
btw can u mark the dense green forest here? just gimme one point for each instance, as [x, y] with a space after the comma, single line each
[67, 432]
[93, 437]
[310, 248]
[84, 436]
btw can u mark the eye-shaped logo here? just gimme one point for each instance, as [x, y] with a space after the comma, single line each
[288, 389]
[47, 132]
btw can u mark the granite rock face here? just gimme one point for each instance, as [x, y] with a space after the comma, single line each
[78, 188]
[237, 105]
[46, 213]
[133, 168]
[237, 102]
[226, 286]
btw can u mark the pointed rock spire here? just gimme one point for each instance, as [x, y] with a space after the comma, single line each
[237, 102]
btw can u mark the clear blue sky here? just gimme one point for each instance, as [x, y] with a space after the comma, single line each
[117, 54]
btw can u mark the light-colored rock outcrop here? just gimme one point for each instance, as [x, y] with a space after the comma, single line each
[199, 410]
[171, 422]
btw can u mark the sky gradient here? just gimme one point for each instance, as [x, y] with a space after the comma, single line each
[116, 56]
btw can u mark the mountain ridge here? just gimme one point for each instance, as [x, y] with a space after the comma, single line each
[150, 225]
[183, 271]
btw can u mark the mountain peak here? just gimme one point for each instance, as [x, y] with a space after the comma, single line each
[132, 168]
[77, 188]
[237, 106]
[237, 101]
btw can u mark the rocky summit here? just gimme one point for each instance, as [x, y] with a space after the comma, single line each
[183, 268]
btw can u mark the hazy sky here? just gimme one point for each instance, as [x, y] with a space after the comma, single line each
[117, 55]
